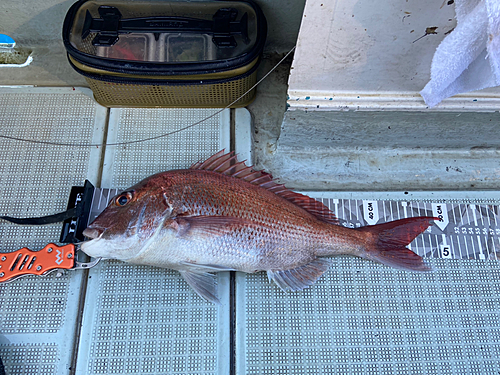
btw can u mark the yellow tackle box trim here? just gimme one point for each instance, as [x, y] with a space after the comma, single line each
[219, 75]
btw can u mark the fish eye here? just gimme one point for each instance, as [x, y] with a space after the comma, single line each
[123, 199]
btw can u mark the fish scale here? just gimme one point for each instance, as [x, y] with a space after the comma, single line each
[222, 215]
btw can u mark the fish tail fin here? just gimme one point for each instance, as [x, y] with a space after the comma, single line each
[389, 241]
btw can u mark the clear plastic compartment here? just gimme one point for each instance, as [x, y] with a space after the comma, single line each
[186, 48]
[131, 47]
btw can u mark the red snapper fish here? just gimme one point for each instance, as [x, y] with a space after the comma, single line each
[220, 215]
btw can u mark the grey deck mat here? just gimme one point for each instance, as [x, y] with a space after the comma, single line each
[360, 318]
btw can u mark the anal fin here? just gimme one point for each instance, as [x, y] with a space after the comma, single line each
[301, 277]
[204, 283]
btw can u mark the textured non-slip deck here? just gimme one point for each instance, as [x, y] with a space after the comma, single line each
[359, 318]
[141, 320]
[38, 315]
[366, 318]
[363, 318]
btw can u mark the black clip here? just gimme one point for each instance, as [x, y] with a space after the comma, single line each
[225, 25]
[75, 217]
[80, 198]
[107, 26]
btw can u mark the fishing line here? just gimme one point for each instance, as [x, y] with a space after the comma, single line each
[149, 138]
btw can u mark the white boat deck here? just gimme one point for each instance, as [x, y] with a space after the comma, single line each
[360, 318]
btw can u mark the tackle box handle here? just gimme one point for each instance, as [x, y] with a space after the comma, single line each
[222, 27]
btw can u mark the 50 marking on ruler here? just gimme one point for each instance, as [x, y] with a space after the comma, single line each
[464, 231]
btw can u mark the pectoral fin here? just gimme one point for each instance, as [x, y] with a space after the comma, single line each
[301, 277]
[204, 283]
[207, 225]
[196, 267]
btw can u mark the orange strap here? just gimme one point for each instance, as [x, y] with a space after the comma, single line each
[28, 262]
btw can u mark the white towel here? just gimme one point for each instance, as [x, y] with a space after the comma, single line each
[468, 58]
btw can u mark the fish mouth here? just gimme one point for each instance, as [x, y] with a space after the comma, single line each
[92, 232]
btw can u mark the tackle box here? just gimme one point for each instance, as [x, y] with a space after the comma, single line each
[166, 54]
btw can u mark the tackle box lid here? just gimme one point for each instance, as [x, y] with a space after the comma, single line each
[164, 37]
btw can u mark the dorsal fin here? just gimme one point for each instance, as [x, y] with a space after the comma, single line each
[229, 165]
